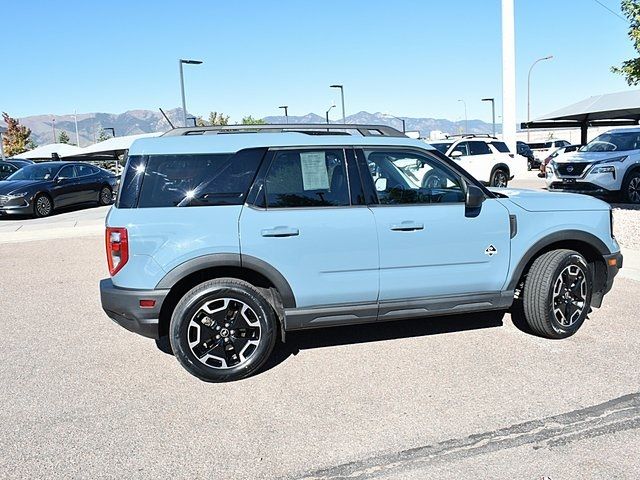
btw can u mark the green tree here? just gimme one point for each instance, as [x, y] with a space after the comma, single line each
[249, 120]
[630, 69]
[103, 136]
[63, 137]
[216, 118]
[17, 137]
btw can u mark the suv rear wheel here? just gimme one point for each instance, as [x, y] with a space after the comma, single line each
[557, 294]
[223, 330]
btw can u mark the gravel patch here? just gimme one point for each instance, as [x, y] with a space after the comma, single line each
[626, 225]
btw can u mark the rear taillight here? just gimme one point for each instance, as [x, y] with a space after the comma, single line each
[117, 249]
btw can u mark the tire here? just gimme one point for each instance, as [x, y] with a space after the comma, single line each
[631, 188]
[42, 205]
[105, 196]
[229, 341]
[553, 307]
[499, 178]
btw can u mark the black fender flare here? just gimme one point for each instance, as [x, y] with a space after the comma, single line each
[230, 260]
[555, 237]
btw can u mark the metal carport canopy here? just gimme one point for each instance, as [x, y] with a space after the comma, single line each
[610, 110]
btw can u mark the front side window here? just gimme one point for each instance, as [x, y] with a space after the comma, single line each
[479, 148]
[441, 147]
[307, 178]
[614, 142]
[187, 180]
[462, 147]
[404, 177]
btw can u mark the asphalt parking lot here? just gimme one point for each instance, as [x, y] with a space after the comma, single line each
[458, 397]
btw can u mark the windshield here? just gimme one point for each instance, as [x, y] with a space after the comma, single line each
[613, 142]
[441, 147]
[40, 171]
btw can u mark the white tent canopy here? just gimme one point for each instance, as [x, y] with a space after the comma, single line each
[114, 144]
[45, 152]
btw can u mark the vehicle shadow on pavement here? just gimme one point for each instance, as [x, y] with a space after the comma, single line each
[376, 332]
[57, 211]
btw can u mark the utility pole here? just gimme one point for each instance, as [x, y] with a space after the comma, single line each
[508, 75]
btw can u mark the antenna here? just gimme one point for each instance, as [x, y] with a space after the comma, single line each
[166, 118]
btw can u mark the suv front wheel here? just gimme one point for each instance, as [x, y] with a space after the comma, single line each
[557, 294]
[223, 330]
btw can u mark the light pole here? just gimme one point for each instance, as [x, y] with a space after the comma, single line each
[466, 120]
[404, 130]
[182, 61]
[341, 87]
[53, 125]
[286, 112]
[113, 130]
[529, 92]
[493, 113]
[2, 130]
[327, 112]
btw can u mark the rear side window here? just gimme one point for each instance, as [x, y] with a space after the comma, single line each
[184, 180]
[479, 148]
[502, 147]
[307, 178]
[84, 170]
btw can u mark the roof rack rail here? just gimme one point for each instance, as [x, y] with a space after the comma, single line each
[306, 128]
[472, 135]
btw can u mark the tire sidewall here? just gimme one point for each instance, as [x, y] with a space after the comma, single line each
[100, 201]
[35, 205]
[190, 304]
[563, 331]
[626, 184]
[495, 175]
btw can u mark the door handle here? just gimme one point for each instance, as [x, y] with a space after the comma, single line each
[280, 232]
[407, 226]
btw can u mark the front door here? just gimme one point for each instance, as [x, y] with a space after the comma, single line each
[428, 246]
[308, 225]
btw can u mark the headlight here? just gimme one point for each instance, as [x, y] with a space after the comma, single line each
[605, 169]
[18, 195]
[617, 159]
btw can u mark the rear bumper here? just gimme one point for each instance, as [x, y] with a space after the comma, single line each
[614, 264]
[122, 305]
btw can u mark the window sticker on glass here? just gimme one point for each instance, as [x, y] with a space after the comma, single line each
[314, 171]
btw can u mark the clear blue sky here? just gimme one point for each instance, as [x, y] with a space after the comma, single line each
[413, 58]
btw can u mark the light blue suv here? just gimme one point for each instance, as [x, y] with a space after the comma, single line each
[222, 239]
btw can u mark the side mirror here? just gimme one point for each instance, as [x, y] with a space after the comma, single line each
[456, 154]
[381, 184]
[475, 197]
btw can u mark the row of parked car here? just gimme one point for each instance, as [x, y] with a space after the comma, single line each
[37, 189]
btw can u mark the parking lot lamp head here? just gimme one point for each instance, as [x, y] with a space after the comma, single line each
[182, 61]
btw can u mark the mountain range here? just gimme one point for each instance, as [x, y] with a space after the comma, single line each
[146, 121]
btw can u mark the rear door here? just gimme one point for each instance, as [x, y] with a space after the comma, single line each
[318, 233]
[88, 184]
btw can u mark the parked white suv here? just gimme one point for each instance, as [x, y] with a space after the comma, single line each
[486, 158]
[609, 164]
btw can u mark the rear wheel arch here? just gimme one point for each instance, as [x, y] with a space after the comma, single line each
[258, 273]
[501, 166]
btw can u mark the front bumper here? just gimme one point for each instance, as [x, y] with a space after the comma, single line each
[614, 264]
[122, 305]
[583, 187]
[16, 206]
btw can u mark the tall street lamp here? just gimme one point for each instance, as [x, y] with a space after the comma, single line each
[493, 113]
[529, 92]
[182, 61]
[341, 87]
[286, 112]
[113, 130]
[327, 112]
[466, 120]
